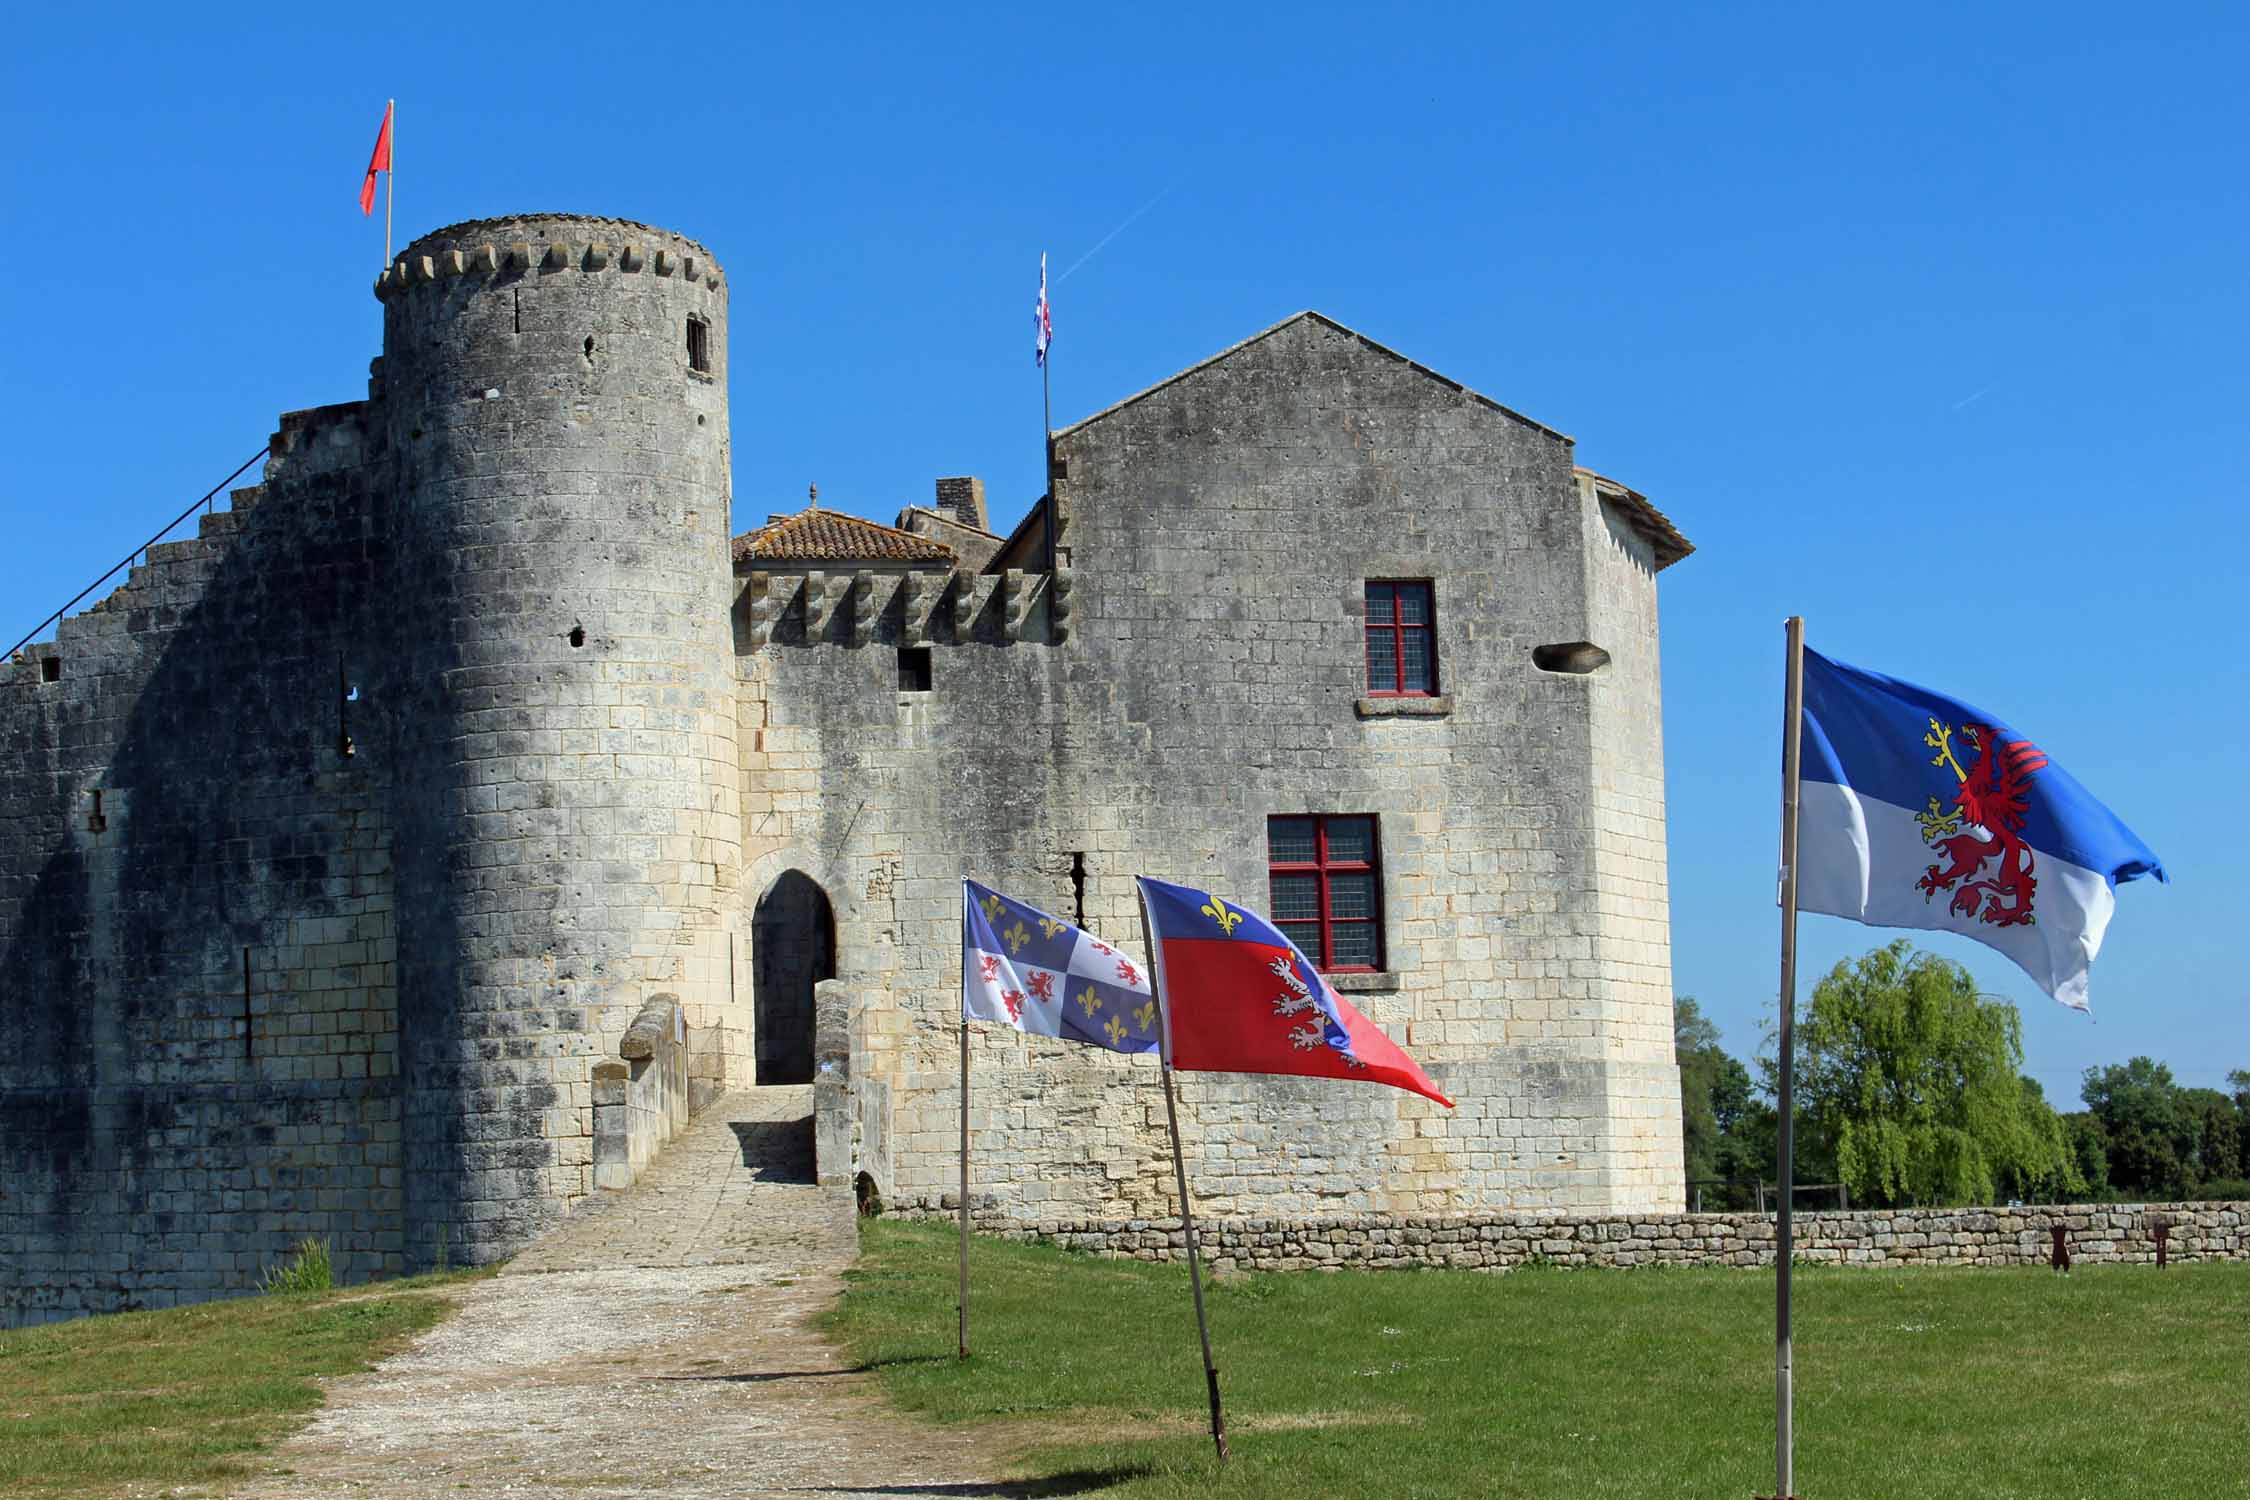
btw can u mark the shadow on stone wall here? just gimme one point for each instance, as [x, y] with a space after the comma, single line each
[196, 983]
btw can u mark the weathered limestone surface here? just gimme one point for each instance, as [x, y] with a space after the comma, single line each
[1218, 532]
[342, 846]
[340, 842]
[2099, 1234]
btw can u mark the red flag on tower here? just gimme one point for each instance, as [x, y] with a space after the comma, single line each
[379, 162]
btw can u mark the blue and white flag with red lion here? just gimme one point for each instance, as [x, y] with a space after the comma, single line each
[1917, 810]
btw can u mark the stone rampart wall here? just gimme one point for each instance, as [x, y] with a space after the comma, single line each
[2100, 1234]
[198, 934]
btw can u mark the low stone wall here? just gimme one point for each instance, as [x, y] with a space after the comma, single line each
[641, 1099]
[2097, 1234]
[832, 1084]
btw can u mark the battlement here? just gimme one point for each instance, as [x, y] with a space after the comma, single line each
[920, 608]
[527, 243]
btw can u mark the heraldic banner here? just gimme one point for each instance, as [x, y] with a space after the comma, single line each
[1039, 974]
[1239, 997]
[1921, 811]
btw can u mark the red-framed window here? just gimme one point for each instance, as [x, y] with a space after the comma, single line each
[1401, 639]
[1325, 879]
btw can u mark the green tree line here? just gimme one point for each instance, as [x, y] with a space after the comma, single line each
[1910, 1091]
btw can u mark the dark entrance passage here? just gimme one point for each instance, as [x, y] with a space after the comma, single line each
[793, 942]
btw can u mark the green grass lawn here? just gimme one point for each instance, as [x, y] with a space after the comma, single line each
[138, 1402]
[2106, 1382]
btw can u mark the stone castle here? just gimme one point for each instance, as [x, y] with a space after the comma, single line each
[402, 858]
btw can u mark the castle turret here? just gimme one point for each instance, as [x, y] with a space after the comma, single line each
[554, 389]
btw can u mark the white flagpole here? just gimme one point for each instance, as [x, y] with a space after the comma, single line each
[390, 176]
[1179, 1168]
[1784, 1248]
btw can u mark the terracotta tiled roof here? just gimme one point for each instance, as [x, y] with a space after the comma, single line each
[816, 535]
[1655, 527]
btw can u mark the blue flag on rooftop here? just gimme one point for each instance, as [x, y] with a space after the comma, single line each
[1039, 974]
[1917, 810]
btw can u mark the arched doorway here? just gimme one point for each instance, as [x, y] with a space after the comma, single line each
[793, 948]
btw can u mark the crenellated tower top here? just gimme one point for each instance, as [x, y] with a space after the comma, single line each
[524, 243]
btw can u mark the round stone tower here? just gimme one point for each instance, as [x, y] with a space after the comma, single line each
[553, 391]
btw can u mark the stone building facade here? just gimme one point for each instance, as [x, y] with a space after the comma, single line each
[346, 844]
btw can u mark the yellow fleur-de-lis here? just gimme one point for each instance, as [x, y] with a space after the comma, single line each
[1115, 1030]
[1052, 925]
[992, 908]
[1090, 1001]
[1015, 937]
[1145, 1017]
[1217, 911]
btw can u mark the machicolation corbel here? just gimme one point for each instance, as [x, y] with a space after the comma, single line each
[917, 602]
[1058, 603]
[519, 255]
[557, 256]
[1015, 602]
[819, 605]
[597, 255]
[863, 607]
[666, 263]
[769, 596]
[629, 258]
[964, 604]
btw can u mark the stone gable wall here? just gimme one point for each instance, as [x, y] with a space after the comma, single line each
[1216, 535]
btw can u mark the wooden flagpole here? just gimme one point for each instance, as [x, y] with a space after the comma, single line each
[1179, 1168]
[964, 1298]
[390, 177]
[1784, 1246]
[964, 1165]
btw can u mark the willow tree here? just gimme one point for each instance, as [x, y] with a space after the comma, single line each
[1917, 1080]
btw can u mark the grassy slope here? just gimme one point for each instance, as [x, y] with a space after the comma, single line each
[112, 1404]
[2107, 1382]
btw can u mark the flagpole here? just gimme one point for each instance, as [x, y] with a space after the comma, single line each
[390, 178]
[1792, 736]
[964, 1165]
[1187, 1205]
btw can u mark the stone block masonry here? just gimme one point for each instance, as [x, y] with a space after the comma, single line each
[2097, 1234]
[340, 842]
[341, 848]
[1219, 532]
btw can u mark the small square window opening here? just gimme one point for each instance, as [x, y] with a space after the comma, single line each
[50, 669]
[1324, 874]
[914, 669]
[1401, 639]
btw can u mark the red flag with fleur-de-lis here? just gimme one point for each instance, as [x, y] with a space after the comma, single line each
[1037, 973]
[1242, 998]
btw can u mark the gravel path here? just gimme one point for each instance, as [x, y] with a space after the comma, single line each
[657, 1344]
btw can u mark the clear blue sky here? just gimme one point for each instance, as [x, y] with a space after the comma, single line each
[1926, 326]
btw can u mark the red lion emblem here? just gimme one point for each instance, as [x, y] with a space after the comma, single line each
[1984, 824]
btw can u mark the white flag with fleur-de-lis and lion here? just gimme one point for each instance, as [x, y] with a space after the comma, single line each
[1037, 973]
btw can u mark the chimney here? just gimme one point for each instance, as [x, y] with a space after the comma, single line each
[962, 498]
